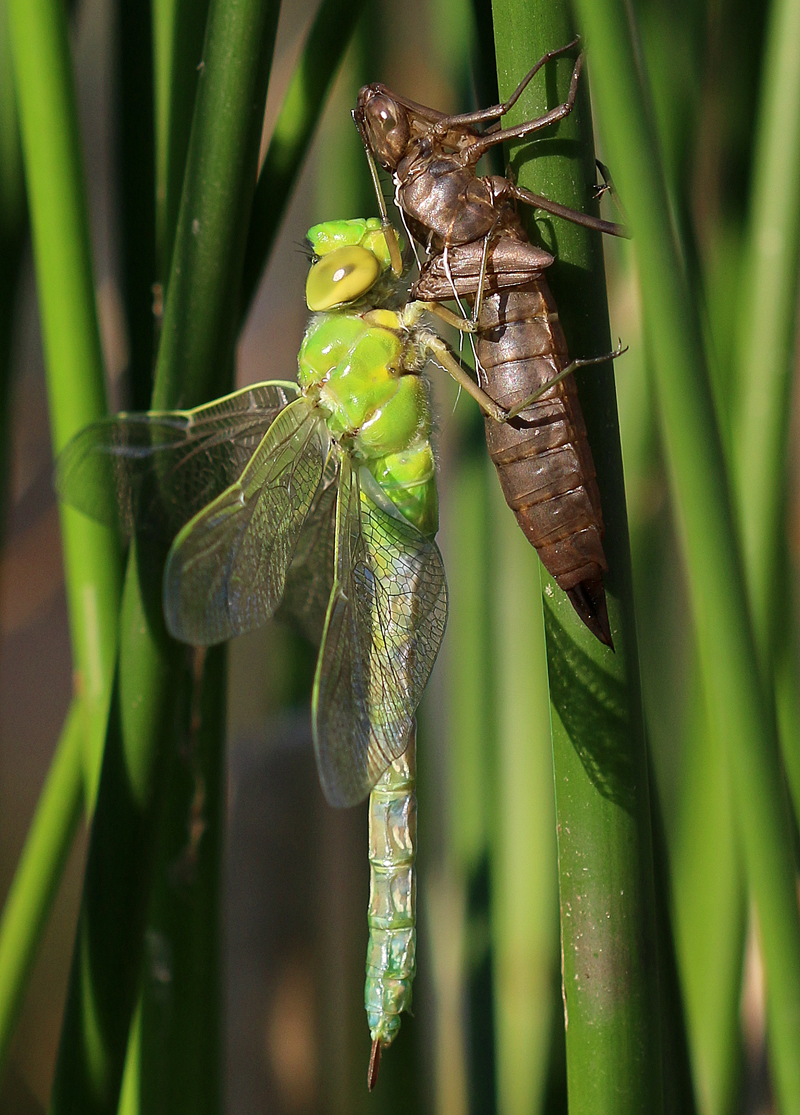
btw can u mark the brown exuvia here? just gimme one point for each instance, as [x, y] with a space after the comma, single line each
[477, 249]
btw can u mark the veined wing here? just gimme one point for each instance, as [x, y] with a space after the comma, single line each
[310, 577]
[384, 625]
[226, 570]
[158, 468]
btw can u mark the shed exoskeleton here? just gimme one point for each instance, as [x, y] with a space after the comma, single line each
[477, 249]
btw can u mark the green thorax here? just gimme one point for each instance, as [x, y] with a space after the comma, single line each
[358, 363]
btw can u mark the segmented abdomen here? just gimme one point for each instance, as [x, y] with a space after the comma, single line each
[543, 457]
[391, 952]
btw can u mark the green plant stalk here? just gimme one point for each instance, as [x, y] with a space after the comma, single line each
[763, 360]
[178, 33]
[48, 130]
[181, 1067]
[13, 235]
[765, 342]
[325, 47]
[470, 720]
[105, 962]
[524, 893]
[710, 914]
[39, 872]
[195, 359]
[455, 899]
[135, 160]
[739, 709]
[679, 1097]
[74, 363]
[602, 803]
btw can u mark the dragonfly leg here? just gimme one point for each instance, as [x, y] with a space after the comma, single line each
[570, 368]
[480, 146]
[464, 325]
[481, 115]
[442, 354]
[611, 228]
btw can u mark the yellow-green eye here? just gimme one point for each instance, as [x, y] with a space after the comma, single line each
[342, 276]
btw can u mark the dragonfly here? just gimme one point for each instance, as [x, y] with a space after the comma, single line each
[317, 498]
[477, 248]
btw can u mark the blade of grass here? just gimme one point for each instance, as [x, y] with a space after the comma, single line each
[710, 914]
[327, 42]
[178, 31]
[524, 870]
[181, 1067]
[765, 342]
[134, 54]
[39, 872]
[456, 897]
[74, 365]
[741, 713]
[13, 235]
[195, 360]
[693, 61]
[602, 804]
[51, 149]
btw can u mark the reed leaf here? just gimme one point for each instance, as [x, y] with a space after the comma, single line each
[303, 102]
[195, 359]
[39, 51]
[740, 710]
[602, 805]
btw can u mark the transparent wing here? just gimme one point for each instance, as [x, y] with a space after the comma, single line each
[226, 570]
[158, 468]
[384, 625]
[310, 577]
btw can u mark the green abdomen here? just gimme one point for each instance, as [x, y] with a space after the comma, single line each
[357, 368]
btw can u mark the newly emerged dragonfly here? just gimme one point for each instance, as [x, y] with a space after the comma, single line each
[318, 497]
[477, 248]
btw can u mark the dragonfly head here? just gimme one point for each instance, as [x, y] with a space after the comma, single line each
[383, 124]
[349, 258]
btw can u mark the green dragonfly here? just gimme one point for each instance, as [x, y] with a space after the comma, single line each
[318, 497]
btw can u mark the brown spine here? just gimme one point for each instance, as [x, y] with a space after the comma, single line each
[542, 456]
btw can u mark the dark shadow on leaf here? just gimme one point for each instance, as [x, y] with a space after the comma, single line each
[591, 706]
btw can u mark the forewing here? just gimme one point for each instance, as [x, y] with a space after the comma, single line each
[384, 626]
[156, 469]
[227, 568]
[310, 577]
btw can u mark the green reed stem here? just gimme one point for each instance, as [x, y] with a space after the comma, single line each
[305, 98]
[524, 892]
[74, 363]
[13, 235]
[739, 708]
[180, 1063]
[178, 32]
[74, 366]
[766, 334]
[764, 362]
[134, 56]
[710, 912]
[602, 803]
[195, 360]
[39, 872]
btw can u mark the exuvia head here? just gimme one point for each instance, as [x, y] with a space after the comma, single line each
[383, 124]
[349, 258]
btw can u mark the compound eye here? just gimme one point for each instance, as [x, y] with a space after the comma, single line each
[342, 276]
[388, 126]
